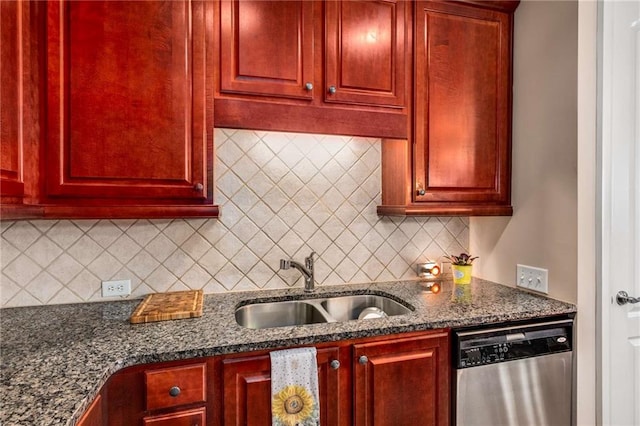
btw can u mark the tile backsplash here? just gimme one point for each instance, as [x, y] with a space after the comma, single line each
[281, 195]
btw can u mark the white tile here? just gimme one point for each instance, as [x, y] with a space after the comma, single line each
[319, 213]
[142, 232]
[260, 154]
[8, 289]
[85, 285]
[260, 214]
[43, 251]
[85, 224]
[196, 277]
[290, 185]
[260, 244]
[44, 287]
[245, 168]
[291, 213]
[228, 276]
[124, 249]
[64, 296]
[85, 250]
[260, 274]
[181, 286]
[346, 269]
[213, 261]
[161, 247]
[43, 225]
[385, 253]
[276, 142]
[213, 287]
[22, 270]
[332, 256]
[142, 264]
[123, 224]
[229, 183]
[212, 231]
[398, 267]
[275, 199]
[319, 185]
[346, 185]
[228, 245]
[21, 235]
[346, 213]
[230, 215]
[104, 266]
[245, 284]
[291, 244]
[22, 298]
[178, 231]
[305, 228]
[305, 170]
[275, 229]
[346, 241]
[397, 239]
[245, 230]
[196, 246]
[228, 153]
[7, 252]
[272, 258]
[161, 223]
[64, 268]
[104, 233]
[244, 260]
[444, 239]
[359, 255]
[178, 263]
[333, 227]
[291, 155]
[260, 184]
[161, 280]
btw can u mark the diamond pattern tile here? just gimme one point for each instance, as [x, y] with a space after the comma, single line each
[281, 195]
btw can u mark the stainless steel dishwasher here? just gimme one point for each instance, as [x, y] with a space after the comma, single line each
[514, 376]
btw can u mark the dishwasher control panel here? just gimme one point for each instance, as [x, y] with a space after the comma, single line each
[476, 348]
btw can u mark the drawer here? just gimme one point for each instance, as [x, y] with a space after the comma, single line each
[181, 418]
[170, 387]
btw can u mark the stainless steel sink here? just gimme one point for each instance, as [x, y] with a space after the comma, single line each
[313, 311]
[278, 314]
[345, 308]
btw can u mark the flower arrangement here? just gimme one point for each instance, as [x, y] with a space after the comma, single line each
[462, 259]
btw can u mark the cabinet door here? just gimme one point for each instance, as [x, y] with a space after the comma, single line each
[195, 417]
[402, 382]
[267, 48]
[247, 390]
[462, 104]
[93, 416]
[366, 51]
[129, 113]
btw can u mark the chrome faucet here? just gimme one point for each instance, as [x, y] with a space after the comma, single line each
[307, 270]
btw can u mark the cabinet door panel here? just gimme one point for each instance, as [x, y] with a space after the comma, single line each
[402, 382]
[462, 108]
[266, 47]
[195, 417]
[10, 91]
[366, 52]
[126, 99]
[247, 390]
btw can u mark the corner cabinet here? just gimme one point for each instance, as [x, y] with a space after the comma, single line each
[458, 161]
[333, 67]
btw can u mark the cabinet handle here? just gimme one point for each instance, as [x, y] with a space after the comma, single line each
[174, 391]
[309, 86]
[198, 187]
[363, 360]
[332, 90]
[335, 364]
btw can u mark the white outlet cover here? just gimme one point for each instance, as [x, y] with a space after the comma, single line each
[116, 288]
[532, 278]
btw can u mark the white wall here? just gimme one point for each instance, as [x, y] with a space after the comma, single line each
[542, 231]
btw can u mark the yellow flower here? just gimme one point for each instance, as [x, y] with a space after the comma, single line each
[292, 405]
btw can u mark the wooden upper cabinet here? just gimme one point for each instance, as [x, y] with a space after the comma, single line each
[329, 67]
[402, 382]
[129, 117]
[266, 48]
[461, 153]
[19, 111]
[366, 52]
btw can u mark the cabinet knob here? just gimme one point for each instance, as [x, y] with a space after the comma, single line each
[198, 187]
[309, 86]
[420, 189]
[335, 364]
[332, 90]
[174, 391]
[363, 360]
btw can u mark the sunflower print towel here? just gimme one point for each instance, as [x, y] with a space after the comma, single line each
[294, 388]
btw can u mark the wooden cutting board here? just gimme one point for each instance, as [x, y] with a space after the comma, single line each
[168, 306]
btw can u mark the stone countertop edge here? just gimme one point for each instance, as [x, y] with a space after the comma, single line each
[54, 359]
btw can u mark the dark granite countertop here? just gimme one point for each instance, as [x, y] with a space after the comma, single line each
[54, 359]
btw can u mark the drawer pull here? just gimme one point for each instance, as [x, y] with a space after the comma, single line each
[335, 364]
[174, 391]
[363, 360]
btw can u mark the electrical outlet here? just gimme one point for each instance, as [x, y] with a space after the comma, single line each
[116, 288]
[532, 278]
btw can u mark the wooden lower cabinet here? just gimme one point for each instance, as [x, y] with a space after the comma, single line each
[246, 388]
[402, 379]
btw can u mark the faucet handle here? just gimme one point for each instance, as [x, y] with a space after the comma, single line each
[308, 261]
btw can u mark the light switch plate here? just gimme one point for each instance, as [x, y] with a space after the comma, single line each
[532, 278]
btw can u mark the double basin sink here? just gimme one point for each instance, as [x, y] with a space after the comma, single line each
[321, 310]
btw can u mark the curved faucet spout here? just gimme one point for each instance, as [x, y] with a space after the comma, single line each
[306, 270]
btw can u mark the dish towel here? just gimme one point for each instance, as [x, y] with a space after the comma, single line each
[294, 388]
